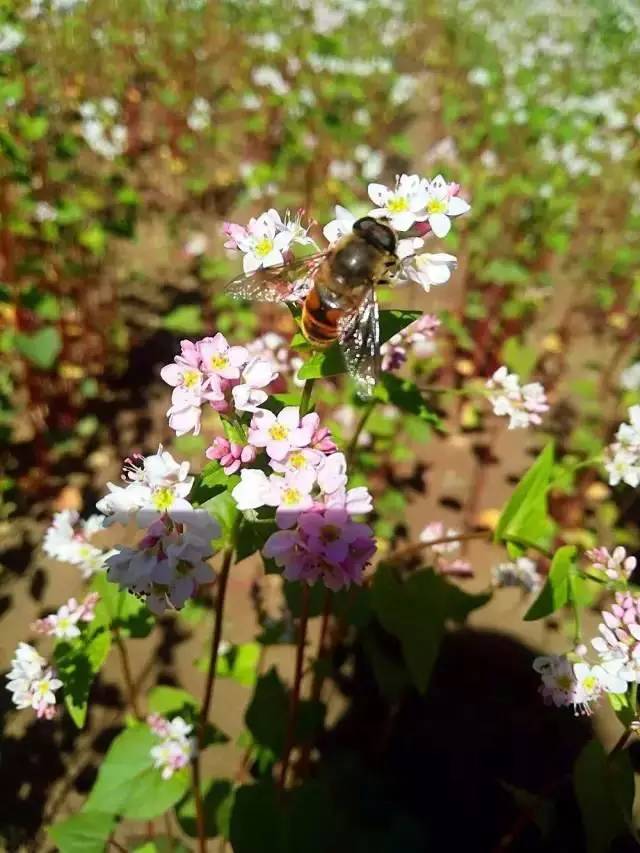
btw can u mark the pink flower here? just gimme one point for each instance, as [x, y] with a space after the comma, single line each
[291, 494]
[256, 376]
[332, 475]
[279, 435]
[616, 566]
[230, 455]
[322, 441]
[234, 233]
[331, 533]
[221, 359]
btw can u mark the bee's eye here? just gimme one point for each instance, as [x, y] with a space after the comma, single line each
[376, 233]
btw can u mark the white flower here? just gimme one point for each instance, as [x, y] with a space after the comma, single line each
[479, 77]
[31, 685]
[341, 225]
[430, 270]
[441, 203]
[249, 396]
[253, 489]
[403, 205]
[403, 89]
[270, 78]
[10, 38]
[196, 245]
[45, 212]
[630, 377]
[263, 245]
[436, 530]
[623, 456]
[199, 116]
[523, 405]
[176, 748]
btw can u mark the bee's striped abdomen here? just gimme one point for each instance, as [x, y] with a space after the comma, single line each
[319, 323]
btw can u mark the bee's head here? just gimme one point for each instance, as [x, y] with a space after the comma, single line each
[376, 233]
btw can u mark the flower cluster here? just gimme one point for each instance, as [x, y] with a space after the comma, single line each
[170, 562]
[617, 566]
[416, 338]
[457, 566]
[521, 572]
[522, 404]
[267, 240]
[211, 372]
[32, 682]
[63, 624]
[101, 130]
[414, 203]
[619, 640]
[176, 748]
[67, 539]
[623, 456]
[576, 683]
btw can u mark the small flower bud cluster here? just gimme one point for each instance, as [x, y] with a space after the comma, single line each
[176, 748]
[623, 456]
[522, 404]
[617, 566]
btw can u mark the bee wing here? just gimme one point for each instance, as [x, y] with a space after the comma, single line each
[289, 281]
[360, 343]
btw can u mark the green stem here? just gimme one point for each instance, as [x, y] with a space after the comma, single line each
[305, 400]
[353, 444]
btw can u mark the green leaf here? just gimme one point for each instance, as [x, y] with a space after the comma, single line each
[215, 796]
[78, 661]
[240, 663]
[120, 609]
[171, 701]
[415, 611]
[557, 589]
[266, 716]
[525, 515]
[162, 844]
[604, 787]
[41, 348]
[86, 832]
[406, 396]
[519, 358]
[94, 238]
[225, 511]
[184, 320]
[129, 785]
[329, 362]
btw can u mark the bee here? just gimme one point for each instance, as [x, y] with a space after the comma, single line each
[337, 290]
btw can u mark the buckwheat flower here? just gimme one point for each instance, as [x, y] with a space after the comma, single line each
[300, 459]
[293, 227]
[457, 568]
[31, 683]
[341, 225]
[64, 623]
[623, 466]
[442, 203]
[290, 493]
[619, 638]
[252, 490]
[357, 501]
[221, 359]
[256, 376]
[282, 433]
[230, 454]
[332, 473]
[176, 749]
[331, 533]
[199, 117]
[43, 699]
[430, 270]
[45, 212]
[617, 566]
[196, 245]
[234, 233]
[523, 405]
[403, 205]
[630, 377]
[263, 245]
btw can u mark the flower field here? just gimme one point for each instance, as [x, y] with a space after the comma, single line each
[319, 425]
